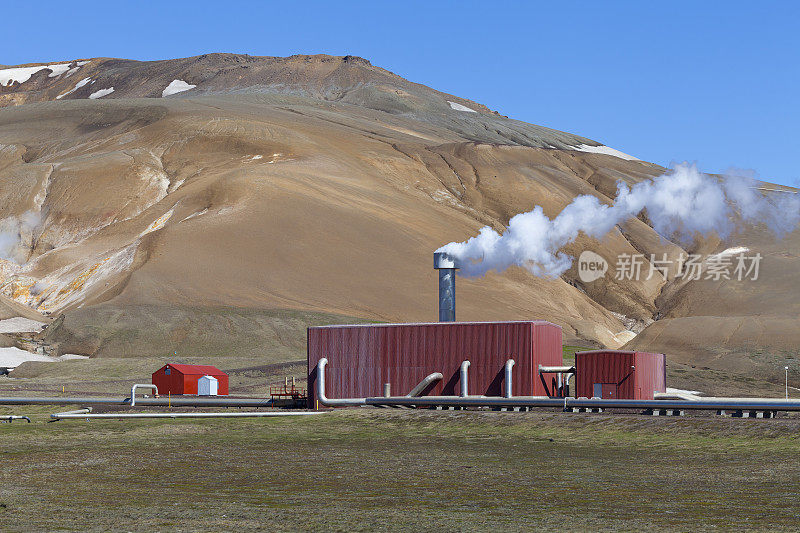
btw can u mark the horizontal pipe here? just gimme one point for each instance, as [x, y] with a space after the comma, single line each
[676, 396]
[558, 369]
[705, 404]
[175, 401]
[469, 401]
[424, 384]
[84, 411]
[121, 416]
[542, 401]
[752, 404]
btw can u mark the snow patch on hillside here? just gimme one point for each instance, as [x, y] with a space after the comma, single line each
[101, 93]
[78, 85]
[13, 357]
[606, 150]
[459, 107]
[23, 74]
[75, 69]
[58, 70]
[176, 86]
[20, 325]
[736, 250]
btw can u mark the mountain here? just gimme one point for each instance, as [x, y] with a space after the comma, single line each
[206, 200]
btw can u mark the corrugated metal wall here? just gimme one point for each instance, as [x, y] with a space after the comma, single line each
[612, 367]
[362, 358]
[651, 374]
[637, 375]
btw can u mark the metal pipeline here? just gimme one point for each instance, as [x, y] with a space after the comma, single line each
[256, 414]
[324, 400]
[463, 379]
[422, 385]
[761, 404]
[676, 395]
[175, 401]
[508, 378]
[566, 403]
[84, 411]
[469, 401]
[765, 404]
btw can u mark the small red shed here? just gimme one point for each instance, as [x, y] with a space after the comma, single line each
[618, 374]
[182, 379]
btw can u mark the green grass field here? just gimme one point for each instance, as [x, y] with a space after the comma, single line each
[386, 469]
[372, 469]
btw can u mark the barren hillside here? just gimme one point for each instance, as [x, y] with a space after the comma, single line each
[224, 189]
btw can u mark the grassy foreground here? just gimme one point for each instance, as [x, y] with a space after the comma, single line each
[366, 470]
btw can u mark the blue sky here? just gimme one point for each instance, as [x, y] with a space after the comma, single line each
[712, 82]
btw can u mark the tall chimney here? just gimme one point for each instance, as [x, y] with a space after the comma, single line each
[446, 265]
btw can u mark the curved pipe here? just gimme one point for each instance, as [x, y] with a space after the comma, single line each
[324, 400]
[567, 377]
[509, 376]
[464, 379]
[424, 384]
[141, 386]
[11, 418]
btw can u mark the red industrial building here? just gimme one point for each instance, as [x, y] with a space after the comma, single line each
[182, 379]
[616, 374]
[362, 358]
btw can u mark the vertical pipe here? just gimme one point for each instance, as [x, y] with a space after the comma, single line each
[387, 390]
[508, 379]
[447, 267]
[464, 379]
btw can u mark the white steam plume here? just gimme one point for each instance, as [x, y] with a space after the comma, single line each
[682, 203]
[15, 233]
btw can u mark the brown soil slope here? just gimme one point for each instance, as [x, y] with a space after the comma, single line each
[314, 184]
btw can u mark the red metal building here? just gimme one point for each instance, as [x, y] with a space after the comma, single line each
[364, 357]
[182, 379]
[616, 374]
